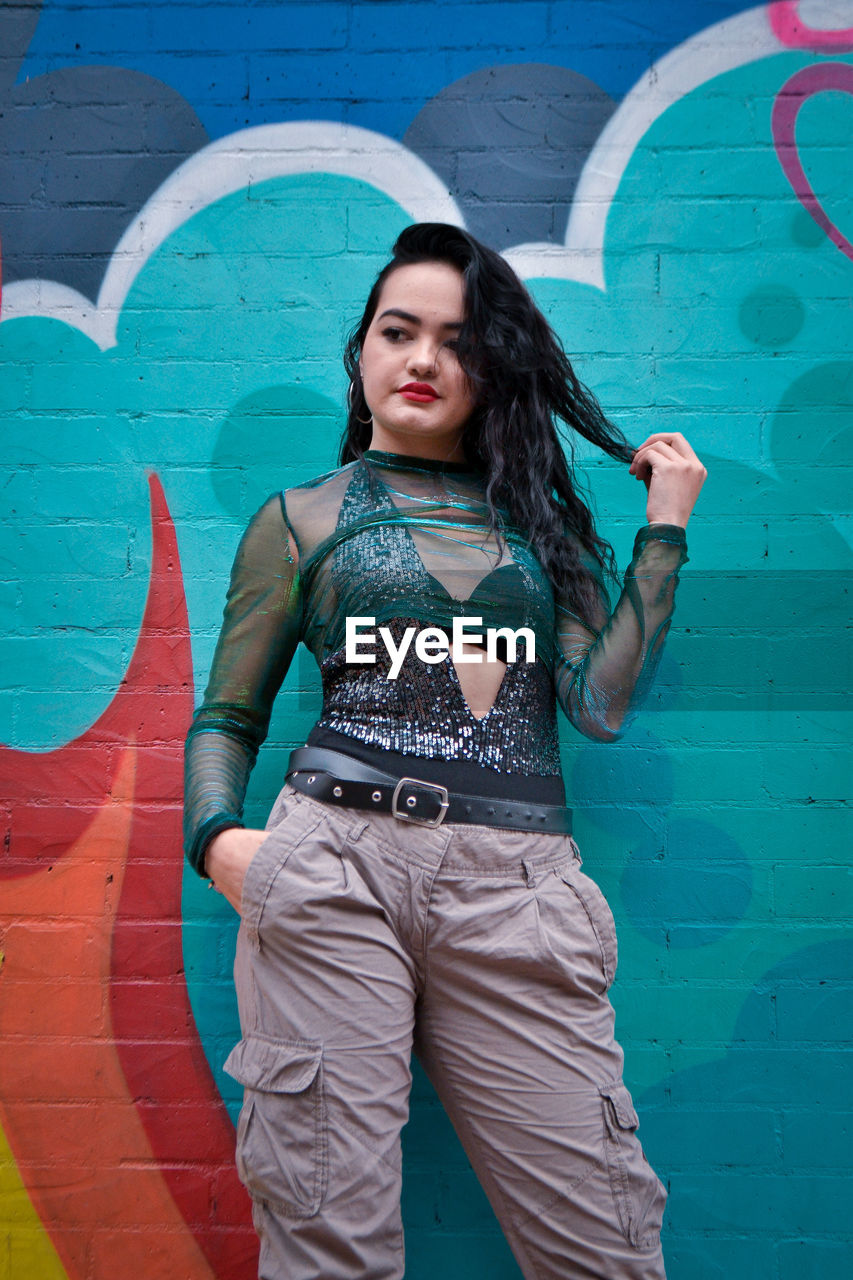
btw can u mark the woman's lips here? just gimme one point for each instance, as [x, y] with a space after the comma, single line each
[419, 392]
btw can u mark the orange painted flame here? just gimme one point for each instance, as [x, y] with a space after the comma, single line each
[106, 1096]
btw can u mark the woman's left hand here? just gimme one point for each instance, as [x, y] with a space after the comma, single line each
[672, 474]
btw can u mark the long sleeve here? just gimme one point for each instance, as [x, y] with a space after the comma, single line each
[260, 631]
[606, 662]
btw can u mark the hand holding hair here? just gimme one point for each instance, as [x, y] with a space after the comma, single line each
[672, 474]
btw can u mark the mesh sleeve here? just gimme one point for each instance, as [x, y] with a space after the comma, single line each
[606, 663]
[260, 630]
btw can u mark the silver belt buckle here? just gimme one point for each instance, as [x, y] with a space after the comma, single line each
[411, 817]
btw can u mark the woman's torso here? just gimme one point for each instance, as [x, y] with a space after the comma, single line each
[414, 549]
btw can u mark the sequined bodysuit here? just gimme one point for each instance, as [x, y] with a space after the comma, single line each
[406, 542]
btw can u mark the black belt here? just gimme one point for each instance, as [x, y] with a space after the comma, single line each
[341, 779]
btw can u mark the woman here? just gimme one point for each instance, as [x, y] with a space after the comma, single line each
[417, 882]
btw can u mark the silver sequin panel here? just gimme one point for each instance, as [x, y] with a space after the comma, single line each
[424, 713]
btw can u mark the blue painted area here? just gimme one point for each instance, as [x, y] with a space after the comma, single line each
[620, 781]
[689, 889]
[248, 64]
[756, 1144]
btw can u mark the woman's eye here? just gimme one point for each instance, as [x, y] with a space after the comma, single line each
[393, 334]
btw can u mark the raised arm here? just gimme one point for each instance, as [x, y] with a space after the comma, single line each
[607, 661]
[260, 631]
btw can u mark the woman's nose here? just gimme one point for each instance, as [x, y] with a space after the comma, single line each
[422, 357]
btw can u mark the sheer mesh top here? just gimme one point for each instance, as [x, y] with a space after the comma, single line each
[405, 543]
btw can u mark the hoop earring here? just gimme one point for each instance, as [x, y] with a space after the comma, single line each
[365, 422]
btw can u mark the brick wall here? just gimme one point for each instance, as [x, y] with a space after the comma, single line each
[194, 199]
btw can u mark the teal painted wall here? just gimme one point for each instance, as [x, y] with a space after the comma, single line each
[696, 259]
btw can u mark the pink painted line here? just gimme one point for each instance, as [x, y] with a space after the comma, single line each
[793, 32]
[803, 85]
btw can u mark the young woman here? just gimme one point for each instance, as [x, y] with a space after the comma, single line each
[417, 883]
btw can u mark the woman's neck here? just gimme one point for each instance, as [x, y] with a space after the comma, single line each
[447, 449]
[414, 462]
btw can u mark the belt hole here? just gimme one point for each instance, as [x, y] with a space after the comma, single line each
[377, 795]
[336, 791]
[411, 802]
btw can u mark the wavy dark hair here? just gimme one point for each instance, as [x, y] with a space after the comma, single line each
[527, 395]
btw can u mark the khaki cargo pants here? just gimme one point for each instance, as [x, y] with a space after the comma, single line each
[490, 952]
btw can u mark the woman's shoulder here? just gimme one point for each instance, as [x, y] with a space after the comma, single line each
[286, 513]
[320, 494]
[312, 508]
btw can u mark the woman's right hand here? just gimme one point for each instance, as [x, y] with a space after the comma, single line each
[227, 858]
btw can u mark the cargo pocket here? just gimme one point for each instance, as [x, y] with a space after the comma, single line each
[639, 1195]
[282, 1136]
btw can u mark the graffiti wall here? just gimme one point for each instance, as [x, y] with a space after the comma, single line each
[194, 198]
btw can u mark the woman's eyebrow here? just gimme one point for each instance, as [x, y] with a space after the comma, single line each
[407, 315]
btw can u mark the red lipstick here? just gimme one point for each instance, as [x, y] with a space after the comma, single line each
[419, 392]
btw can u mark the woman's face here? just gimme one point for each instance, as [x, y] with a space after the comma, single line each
[414, 385]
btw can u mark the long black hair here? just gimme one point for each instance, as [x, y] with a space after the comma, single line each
[524, 386]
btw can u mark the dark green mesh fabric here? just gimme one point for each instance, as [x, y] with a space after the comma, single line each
[406, 542]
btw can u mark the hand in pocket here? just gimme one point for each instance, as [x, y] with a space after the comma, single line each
[227, 859]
